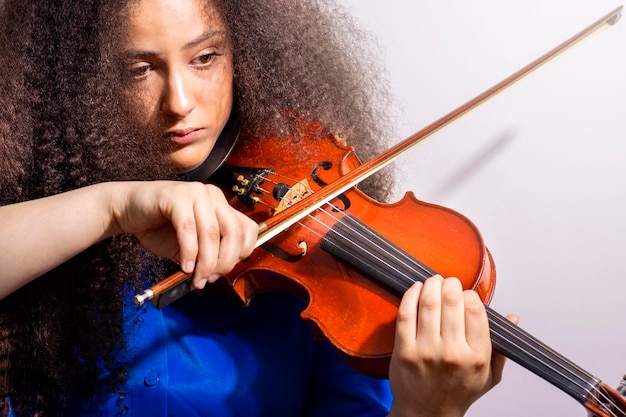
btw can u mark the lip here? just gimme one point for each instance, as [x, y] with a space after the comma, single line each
[183, 136]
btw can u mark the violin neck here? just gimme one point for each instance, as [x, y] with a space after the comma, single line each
[524, 349]
[363, 248]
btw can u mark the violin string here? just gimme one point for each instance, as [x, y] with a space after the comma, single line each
[407, 262]
[538, 355]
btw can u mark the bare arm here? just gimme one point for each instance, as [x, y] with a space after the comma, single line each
[191, 222]
[37, 235]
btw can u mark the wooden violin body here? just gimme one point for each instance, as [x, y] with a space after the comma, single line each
[351, 309]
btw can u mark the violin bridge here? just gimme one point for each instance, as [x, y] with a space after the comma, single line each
[298, 192]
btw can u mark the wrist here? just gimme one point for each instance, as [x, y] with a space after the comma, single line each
[111, 200]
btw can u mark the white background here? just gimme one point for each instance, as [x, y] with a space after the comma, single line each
[540, 169]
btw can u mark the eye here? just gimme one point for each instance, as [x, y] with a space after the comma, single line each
[139, 71]
[205, 60]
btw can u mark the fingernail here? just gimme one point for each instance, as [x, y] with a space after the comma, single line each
[214, 278]
[189, 266]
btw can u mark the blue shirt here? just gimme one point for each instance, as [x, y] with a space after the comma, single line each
[211, 356]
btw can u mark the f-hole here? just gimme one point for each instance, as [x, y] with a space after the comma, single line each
[326, 165]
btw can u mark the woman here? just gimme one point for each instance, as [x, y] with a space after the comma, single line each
[99, 97]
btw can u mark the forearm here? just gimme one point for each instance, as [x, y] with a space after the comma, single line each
[38, 235]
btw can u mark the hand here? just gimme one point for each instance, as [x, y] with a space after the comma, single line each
[442, 360]
[189, 222]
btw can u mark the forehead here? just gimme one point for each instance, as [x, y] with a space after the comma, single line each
[147, 19]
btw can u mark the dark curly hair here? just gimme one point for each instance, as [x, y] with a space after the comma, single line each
[63, 126]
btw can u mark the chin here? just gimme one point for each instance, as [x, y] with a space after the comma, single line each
[186, 163]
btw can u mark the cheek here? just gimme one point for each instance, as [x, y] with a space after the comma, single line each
[227, 97]
[217, 97]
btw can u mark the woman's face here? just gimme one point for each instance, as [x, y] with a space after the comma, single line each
[179, 62]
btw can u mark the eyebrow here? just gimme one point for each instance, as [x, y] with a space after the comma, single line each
[147, 54]
[204, 37]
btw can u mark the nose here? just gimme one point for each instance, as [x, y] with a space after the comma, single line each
[177, 98]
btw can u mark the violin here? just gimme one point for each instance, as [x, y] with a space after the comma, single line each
[352, 257]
